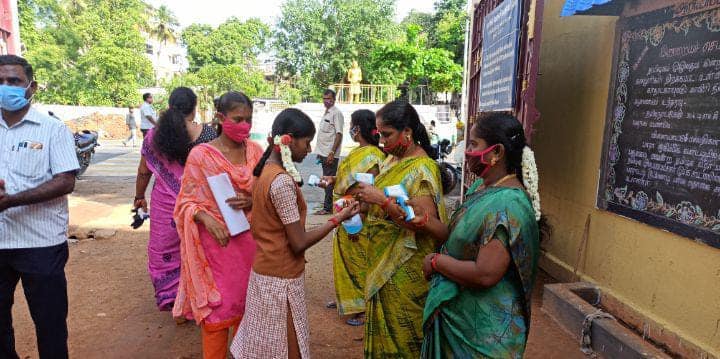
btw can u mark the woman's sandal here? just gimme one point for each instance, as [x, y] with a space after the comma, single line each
[357, 320]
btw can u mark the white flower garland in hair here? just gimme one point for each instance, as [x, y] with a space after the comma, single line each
[530, 179]
[286, 155]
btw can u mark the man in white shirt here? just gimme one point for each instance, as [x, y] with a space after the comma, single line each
[37, 171]
[328, 144]
[148, 116]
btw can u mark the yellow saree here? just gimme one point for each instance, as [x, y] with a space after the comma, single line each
[350, 257]
[395, 289]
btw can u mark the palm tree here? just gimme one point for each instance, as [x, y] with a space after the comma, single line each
[163, 27]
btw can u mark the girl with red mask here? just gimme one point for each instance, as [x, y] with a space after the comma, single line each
[215, 265]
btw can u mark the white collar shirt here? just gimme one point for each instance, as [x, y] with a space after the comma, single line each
[31, 153]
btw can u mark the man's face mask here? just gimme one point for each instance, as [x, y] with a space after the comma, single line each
[12, 98]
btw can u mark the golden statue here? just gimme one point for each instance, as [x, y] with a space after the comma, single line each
[354, 76]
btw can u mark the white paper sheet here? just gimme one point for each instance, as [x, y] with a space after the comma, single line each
[222, 189]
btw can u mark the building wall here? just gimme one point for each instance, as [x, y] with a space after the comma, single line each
[162, 58]
[670, 279]
[9, 28]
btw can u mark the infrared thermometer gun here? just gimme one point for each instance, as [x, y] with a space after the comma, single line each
[398, 191]
[365, 178]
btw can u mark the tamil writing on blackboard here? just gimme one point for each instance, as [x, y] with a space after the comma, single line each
[663, 149]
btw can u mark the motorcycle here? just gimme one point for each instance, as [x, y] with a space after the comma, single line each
[450, 174]
[85, 143]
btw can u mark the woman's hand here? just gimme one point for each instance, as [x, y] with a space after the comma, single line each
[427, 266]
[369, 194]
[395, 212]
[420, 220]
[326, 181]
[217, 230]
[141, 203]
[241, 201]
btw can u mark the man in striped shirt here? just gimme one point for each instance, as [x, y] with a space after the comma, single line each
[37, 171]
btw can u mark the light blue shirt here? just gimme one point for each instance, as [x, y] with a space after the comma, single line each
[31, 153]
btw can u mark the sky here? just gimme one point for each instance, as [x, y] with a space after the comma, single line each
[215, 12]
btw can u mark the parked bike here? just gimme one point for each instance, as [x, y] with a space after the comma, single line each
[85, 143]
[451, 173]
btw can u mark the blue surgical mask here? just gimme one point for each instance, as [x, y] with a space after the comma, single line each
[353, 131]
[12, 98]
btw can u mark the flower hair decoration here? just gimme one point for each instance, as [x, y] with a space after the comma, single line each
[282, 142]
[530, 179]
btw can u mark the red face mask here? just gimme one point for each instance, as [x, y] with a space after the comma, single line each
[398, 148]
[236, 131]
[481, 156]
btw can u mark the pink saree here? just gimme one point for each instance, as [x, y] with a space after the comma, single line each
[164, 243]
[213, 279]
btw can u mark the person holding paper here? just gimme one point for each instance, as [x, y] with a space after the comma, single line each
[349, 252]
[216, 261]
[275, 324]
[395, 295]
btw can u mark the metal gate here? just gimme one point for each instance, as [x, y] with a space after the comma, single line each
[529, 62]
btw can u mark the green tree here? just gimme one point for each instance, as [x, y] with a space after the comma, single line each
[425, 21]
[450, 22]
[316, 40]
[213, 80]
[233, 42]
[411, 60]
[225, 58]
[197, 42]
[86, 52]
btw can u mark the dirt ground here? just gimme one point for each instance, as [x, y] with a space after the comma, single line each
[112, 312]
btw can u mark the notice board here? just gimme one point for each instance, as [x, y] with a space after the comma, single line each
[661, 157]
[500, 47]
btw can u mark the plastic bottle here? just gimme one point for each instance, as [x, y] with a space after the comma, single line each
[354, 224]
[313, 181]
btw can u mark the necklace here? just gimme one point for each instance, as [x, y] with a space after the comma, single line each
[498, 182]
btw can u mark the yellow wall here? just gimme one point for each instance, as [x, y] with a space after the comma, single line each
[670, 279]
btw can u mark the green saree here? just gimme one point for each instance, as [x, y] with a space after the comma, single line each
[350, 257]
[395, 290]
[492, 322]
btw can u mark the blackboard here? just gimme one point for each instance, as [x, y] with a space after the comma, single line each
[661, 160]
[500, 47]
